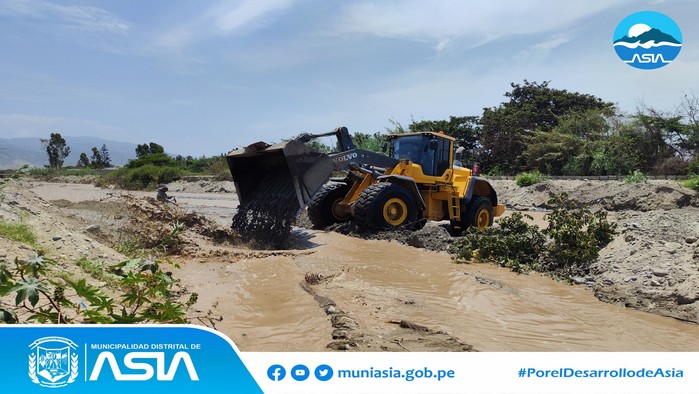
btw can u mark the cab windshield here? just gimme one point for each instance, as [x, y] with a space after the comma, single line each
[434, 158]
[410, 147]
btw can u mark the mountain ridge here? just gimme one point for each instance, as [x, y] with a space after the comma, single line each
[15, 152]
[656, 35]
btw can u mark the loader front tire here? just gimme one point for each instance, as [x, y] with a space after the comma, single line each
[479, 213]
[385, 206]
[322, 210]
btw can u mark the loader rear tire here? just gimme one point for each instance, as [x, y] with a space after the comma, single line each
[385, 206]
[479, 213]
[322, 209]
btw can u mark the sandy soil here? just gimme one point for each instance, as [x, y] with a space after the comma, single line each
[373, 292]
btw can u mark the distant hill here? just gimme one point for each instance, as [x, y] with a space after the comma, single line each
[651, 35]
[14, 152]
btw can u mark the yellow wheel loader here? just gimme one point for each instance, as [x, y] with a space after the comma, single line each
[421, 178]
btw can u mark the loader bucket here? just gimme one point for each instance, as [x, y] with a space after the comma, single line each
[274, 182]
[260, 169]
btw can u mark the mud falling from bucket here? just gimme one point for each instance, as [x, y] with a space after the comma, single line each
[264, 220]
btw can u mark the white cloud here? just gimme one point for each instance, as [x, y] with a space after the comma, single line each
[480, 21]
[225, 18]
[228, 19]
[86, 18]
[539, 52]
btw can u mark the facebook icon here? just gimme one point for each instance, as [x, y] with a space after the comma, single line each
[276, 372]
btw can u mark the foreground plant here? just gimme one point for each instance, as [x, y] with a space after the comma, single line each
[145, 295]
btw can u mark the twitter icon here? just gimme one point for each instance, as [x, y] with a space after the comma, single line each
[323, 372]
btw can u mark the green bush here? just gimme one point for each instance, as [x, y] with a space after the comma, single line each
[566, 248]
[576, 236]
[529, 178]
[145, 293]
[19, 232]
[219, 168]
[692, 183]
[154, 159]
[636, 177]
[147, 176]
[693, 167]
[514, 244]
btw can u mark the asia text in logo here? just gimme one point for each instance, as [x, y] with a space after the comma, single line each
[647, 40]
[53, 362]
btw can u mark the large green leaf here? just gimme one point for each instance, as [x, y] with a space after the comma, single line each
[93, 294]
[9, 317]
[28, 289]
[125, 317]
[36, 265]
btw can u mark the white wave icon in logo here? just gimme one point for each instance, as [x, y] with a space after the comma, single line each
[53, 362]
[647, 40]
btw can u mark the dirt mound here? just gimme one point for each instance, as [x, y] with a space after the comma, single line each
[176, 231]
[201, 185]
[128, 222]
[652, 264]
[434, 236]
[607, 195]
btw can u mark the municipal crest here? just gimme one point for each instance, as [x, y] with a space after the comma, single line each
[53, 362]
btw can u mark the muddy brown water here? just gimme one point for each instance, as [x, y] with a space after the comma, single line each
[488, 307]
[491, 308]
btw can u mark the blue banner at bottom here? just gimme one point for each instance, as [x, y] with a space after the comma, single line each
[120, 358]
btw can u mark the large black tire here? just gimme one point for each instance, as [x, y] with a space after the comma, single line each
[385, 206]
[321, 210]
[479, 213]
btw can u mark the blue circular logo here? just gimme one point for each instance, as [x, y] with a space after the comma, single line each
[647, 40]
[300, 372]
[323, 372]
[276, 372]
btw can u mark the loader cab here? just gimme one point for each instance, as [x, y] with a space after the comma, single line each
[431, 151]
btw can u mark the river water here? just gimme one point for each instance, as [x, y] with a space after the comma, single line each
[484, 305]
[264, 308]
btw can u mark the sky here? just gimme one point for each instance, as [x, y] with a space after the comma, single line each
[203, 77]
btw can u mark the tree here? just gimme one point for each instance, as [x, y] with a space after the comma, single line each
[96, 160]
[106, 160]
[550, 152]
[562, 150]
[56, 149]
[531, 107]
[100, 157]
[370, 142]
[148, 149]
[83, 161]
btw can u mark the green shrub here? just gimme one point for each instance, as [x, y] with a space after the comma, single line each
[219, 168]
[576, 236]
[567, 247]
[19, 232]
[145, 293]
[636, 177]
[692, 183]
[147, 176]
[529, 178]
[514, 244]
[693, 167]
[154, 159]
